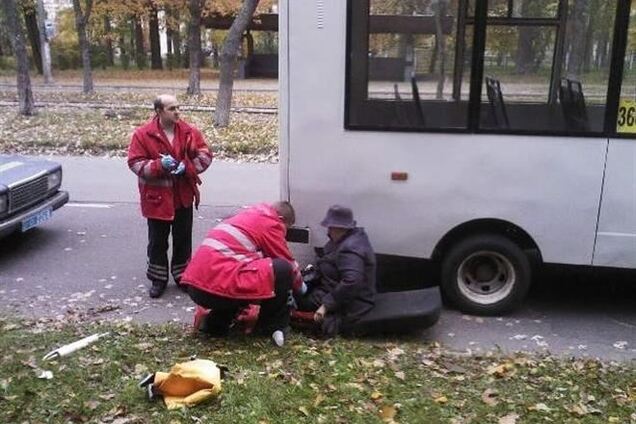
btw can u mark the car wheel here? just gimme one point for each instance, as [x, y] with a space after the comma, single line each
[485, 275]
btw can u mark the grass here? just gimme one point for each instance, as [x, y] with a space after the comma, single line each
[71, 131]
[145, 97]
[340, 381]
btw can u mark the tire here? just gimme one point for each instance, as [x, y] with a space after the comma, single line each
[485, 275]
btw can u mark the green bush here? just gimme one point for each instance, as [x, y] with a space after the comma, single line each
[65, 55]
[8, 63]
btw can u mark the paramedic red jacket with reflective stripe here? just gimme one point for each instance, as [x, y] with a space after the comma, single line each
[161, 192]
[235, 259]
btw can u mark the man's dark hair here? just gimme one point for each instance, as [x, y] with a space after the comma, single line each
[285, 211]
[158, 104]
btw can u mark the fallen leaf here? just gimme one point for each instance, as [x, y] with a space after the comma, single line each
[318, 400]
[541, 407]
[304, 411]
[441, 399]
[388, 412]
[400, 375]
[489, 396]
[376, 395]
[140, 369]
[502, 370]
[509, 419]
[92, 404]
[579, 409]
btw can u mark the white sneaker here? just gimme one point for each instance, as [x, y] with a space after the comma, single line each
[279, 338]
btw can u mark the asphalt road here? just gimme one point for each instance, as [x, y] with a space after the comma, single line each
[90, 257]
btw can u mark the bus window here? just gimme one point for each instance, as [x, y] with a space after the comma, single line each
[551, 79]
[519, 8]
[407, 52]
[626, 122]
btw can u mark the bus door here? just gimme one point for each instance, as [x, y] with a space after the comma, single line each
[616, 234]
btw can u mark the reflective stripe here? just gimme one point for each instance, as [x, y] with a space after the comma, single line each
[178, 268]
[238, 235]
[146, 169]
[154, 274]
[136, 167]
[224, 250]
[158, 267]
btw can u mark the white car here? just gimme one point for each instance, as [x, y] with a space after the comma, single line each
[29, 192]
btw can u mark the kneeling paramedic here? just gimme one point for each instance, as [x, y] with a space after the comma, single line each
[245, 260]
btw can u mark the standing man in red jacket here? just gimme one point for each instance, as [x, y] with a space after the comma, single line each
[167, 155]
[243, 260]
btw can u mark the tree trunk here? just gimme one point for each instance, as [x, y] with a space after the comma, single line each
[81, 19]
[228, 60]
[524, 59]
[580, 16]
[31, 21]
[176, 39]
[44, 43]
[440, 42]
[110, 55]
[169, 55]
[124, 55]
[194, 86]
[140, 51]
[25, 94]
[155, 46]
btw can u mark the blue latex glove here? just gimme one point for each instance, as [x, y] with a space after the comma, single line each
[179, 170]
[168, 162]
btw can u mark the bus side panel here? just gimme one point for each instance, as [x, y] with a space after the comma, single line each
[549, 186]
[616, 239]
[283, 97]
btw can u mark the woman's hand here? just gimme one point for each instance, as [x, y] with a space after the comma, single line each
[319, 315]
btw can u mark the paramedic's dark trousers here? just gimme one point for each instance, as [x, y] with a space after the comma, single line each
[158, 233]
[274, 312]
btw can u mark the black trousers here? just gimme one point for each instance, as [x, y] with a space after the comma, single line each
[158, 234]
[274, 313]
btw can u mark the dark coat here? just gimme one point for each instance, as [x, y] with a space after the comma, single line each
[347, 281]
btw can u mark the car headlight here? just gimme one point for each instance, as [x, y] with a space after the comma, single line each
[54, 180]
[3, 203]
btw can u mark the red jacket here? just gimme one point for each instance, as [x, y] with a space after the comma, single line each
[235, 259]
[161, 192]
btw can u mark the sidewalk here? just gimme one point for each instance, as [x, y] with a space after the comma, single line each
[94, 179]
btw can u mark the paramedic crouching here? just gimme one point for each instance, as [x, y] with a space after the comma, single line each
[245, 260]
[345, 288]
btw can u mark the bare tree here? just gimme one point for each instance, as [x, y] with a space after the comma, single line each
[32, 32]
[25, 94]
[228, 56]
[155, 45]
[194, 86]
[81, 21]
[44, 43]
[140, 51]
[579, 18]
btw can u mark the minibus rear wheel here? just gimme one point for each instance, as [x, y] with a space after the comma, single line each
[485, 275]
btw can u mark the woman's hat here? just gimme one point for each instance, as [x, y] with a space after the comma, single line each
[339, 217]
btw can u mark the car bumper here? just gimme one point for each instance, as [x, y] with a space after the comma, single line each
[14, 223]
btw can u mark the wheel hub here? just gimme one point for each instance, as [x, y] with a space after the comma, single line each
[486, 277]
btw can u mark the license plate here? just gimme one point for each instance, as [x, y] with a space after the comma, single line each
[36, 219]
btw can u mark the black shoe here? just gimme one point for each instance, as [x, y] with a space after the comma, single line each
[157, 289]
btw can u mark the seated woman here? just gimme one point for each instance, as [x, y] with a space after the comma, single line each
[345, 288]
